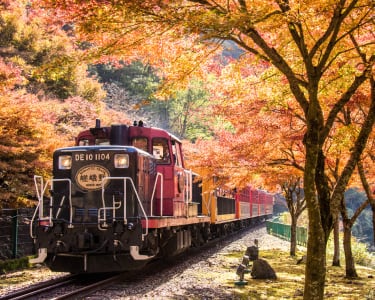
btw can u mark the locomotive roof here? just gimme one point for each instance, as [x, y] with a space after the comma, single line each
[158, 129]
[150, 129]
[170, 134]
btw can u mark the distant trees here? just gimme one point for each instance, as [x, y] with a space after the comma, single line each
[182, 112]
[354, 198]
[137, 78]
[186, 112]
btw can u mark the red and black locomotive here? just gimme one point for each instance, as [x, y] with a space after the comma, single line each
[122, 196]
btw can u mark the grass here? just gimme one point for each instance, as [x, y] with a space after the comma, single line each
[13, 264]
[220, 270]
[290, 280]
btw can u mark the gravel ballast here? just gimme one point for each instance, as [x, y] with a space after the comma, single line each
[194, 277]
[199, 277]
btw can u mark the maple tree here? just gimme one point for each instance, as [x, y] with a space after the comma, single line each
[323, 49]
[263, 152]
[26, 141]
[336, 148]
[296, 204]
[33, 122]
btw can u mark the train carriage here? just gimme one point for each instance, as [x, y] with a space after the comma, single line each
[246, 203]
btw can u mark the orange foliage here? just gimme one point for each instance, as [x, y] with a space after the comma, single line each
[272, 117]
[268, 121]
[322, 54]
[10, 75]
[25, 145]
[32, 125]
[31, 130]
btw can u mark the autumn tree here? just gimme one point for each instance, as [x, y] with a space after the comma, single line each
[26, 139]
[33, 70]
[49, 59]
[338, 149]
[324, 50]
[262, 152]
[293, 192]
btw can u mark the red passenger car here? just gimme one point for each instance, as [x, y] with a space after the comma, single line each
[254, 203]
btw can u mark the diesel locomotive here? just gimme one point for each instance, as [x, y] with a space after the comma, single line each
[122, 196]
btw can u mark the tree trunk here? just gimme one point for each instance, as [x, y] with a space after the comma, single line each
[317, 206]
[293, 237]
[315, 270]
[336, 242]
[349, 260]
[296, 205]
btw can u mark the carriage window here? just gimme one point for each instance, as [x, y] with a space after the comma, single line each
[160, 150]
[140, 143]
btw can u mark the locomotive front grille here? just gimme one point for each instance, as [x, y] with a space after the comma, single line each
[89, 215]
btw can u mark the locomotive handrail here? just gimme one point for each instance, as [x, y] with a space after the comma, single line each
[113, 203]
[208, 203]
[40, 194]
[158, 175]
[63, 199]
[39, 183]
[125, 179]
[37, 207]
[188, 192]
[189, 184]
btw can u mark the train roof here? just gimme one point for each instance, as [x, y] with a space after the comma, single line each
[133, 131]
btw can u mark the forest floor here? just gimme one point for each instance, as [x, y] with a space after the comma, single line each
[290, 280]
[212, 275]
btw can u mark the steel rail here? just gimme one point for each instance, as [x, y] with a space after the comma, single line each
[39, 288]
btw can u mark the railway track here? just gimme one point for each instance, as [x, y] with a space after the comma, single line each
[67, 287]
[79, 286]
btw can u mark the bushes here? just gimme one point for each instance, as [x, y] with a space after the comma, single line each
[362, 256]
[360, 253]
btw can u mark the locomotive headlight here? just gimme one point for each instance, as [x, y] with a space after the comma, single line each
[65, 162]
[121, 161]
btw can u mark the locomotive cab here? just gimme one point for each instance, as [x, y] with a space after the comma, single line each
[174, 196]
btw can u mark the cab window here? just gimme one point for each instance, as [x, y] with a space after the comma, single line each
[140, 143]
[101, 141]
[160, 150]
[176, 147]
[88, 142]
[84, 142]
